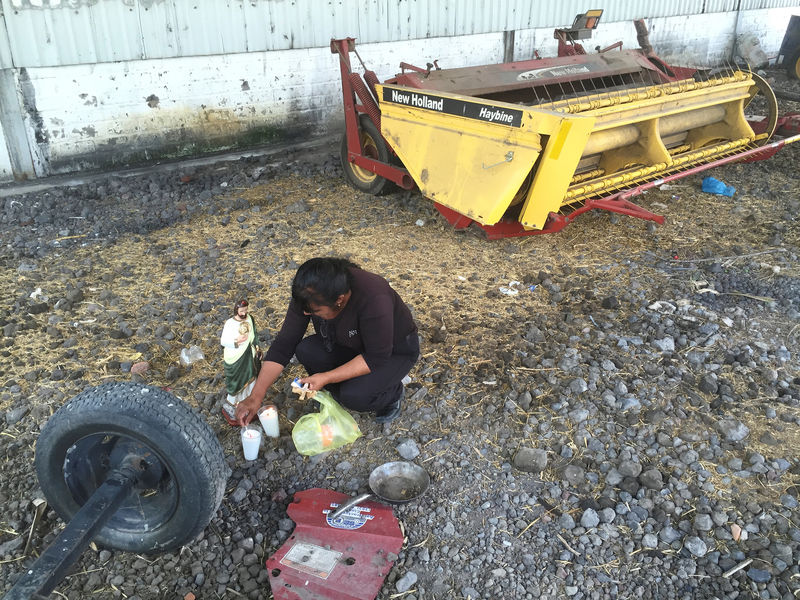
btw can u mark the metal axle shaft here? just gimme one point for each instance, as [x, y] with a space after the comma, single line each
[52, 566]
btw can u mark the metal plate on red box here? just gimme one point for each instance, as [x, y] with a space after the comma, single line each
[343, 559]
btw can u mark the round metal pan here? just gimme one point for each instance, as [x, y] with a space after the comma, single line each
[393, 482]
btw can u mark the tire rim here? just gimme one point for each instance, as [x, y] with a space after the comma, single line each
[764, 93]
[369, 148]
[154, 498]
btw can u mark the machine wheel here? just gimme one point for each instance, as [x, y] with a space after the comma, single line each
[762, 101]
[793, 65]
[183, 470]
[373, 146]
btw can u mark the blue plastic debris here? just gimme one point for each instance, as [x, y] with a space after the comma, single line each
[715, 186]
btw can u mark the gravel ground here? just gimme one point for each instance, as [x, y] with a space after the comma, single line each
[607, 412]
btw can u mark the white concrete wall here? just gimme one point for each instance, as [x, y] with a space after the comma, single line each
[98, 116]
[6, 172]
[113, 113]
[767, 25]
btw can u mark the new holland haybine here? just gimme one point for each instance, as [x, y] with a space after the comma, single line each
[524, 147]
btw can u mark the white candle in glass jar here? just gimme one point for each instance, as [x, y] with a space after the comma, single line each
[251, 440]
[268, 415]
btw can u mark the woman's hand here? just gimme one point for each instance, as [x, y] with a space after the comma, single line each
[316, 382]
[246, 410]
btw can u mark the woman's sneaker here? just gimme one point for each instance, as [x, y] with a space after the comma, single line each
[391, 412]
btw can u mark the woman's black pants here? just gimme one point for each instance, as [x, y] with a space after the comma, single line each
[372, 392]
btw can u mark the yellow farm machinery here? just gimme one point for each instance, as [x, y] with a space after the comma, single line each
[524, 147]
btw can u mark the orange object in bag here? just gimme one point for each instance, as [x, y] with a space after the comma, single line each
[330, 428]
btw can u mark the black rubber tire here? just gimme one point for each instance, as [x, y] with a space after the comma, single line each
[373, 146]
[86, 438]
[793, 65]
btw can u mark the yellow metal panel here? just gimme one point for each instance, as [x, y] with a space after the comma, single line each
[466, 163]
[555, 171]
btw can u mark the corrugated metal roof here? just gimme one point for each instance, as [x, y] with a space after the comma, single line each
[757, 4]
[60, 32]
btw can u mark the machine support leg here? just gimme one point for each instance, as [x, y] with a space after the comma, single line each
[53, 565]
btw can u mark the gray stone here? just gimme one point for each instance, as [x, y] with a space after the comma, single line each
[769, 439]
[630, 403]
[297, 207]
[15, 415]
[590, 518]
[578, 386]
[649, 540]
[614, 477]
[408, 449]
[732, 430]
[708, 384]
[782, 551]
[237, 554]
[569, 362]
[12, 545]
[703, 523]
[285, 524]
[247, 544]
[696, 546]
[238, 495]
[579, 415]
[531, 460]
[566, 521]
[652, 479]
[607, 515]
[666, 344]
[406, 581]
[574, 474]
[629, 468]
[610, 302]
[608, 365]
[669, 534]
[758, 575]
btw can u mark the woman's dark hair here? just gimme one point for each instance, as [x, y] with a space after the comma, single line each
[239, 305]
[320, 281]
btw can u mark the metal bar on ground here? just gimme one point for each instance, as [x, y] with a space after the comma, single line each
[51, 567]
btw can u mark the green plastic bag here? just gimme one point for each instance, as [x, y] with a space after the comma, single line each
[330, 428]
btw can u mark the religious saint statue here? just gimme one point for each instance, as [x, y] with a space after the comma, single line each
[241, 356]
